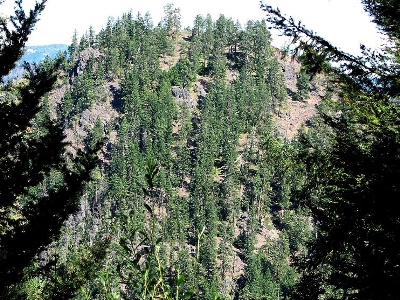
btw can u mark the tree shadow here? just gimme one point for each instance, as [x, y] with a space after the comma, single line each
[117, 102]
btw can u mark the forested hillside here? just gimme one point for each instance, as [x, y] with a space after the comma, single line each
[194, 177]
[214, 171]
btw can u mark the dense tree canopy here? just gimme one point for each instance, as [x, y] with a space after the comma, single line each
[197, 192]
[190, 178]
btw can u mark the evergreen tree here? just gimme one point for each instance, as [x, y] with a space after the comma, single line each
[30, 221]
[352, 166]
[73, 47]
[303, 86]
[171, 22]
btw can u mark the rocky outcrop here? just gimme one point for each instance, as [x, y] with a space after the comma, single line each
[183, 96]
[84, 57]
[181, 93]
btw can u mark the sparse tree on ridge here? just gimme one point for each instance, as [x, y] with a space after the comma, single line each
[172, 20]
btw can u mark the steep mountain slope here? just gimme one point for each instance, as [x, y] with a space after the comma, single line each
[297, 113]
[196, 186]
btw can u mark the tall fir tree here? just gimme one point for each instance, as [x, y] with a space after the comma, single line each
[29, 221]
[351, 155]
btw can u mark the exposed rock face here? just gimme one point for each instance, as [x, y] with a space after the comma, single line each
[297, 113]
[183, 96]
[200, 88]
[84, 57]
[180, 93]
[290, 68]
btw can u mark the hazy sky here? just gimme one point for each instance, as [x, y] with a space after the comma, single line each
[343, 22]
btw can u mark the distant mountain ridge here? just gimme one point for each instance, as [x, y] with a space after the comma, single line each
[34, 54]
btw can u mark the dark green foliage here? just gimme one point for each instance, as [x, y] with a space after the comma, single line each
[358, 235]
[64, 280]
[229, 208]
[73, 47]
[192, 194]
[96, 136]
[351, 156]
[13, 38]
[32, 149]
[385, 14]
[183, 73]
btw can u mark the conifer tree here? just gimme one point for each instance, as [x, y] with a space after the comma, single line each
[352, 164]
[172, 20]
[29, 221]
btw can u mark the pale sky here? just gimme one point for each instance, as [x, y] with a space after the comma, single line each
[343, 22]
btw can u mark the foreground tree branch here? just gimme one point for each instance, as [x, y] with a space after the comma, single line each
[351, 156]
[374, 71]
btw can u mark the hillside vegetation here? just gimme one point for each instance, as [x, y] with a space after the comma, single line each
[194, 181]
[225, 166]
